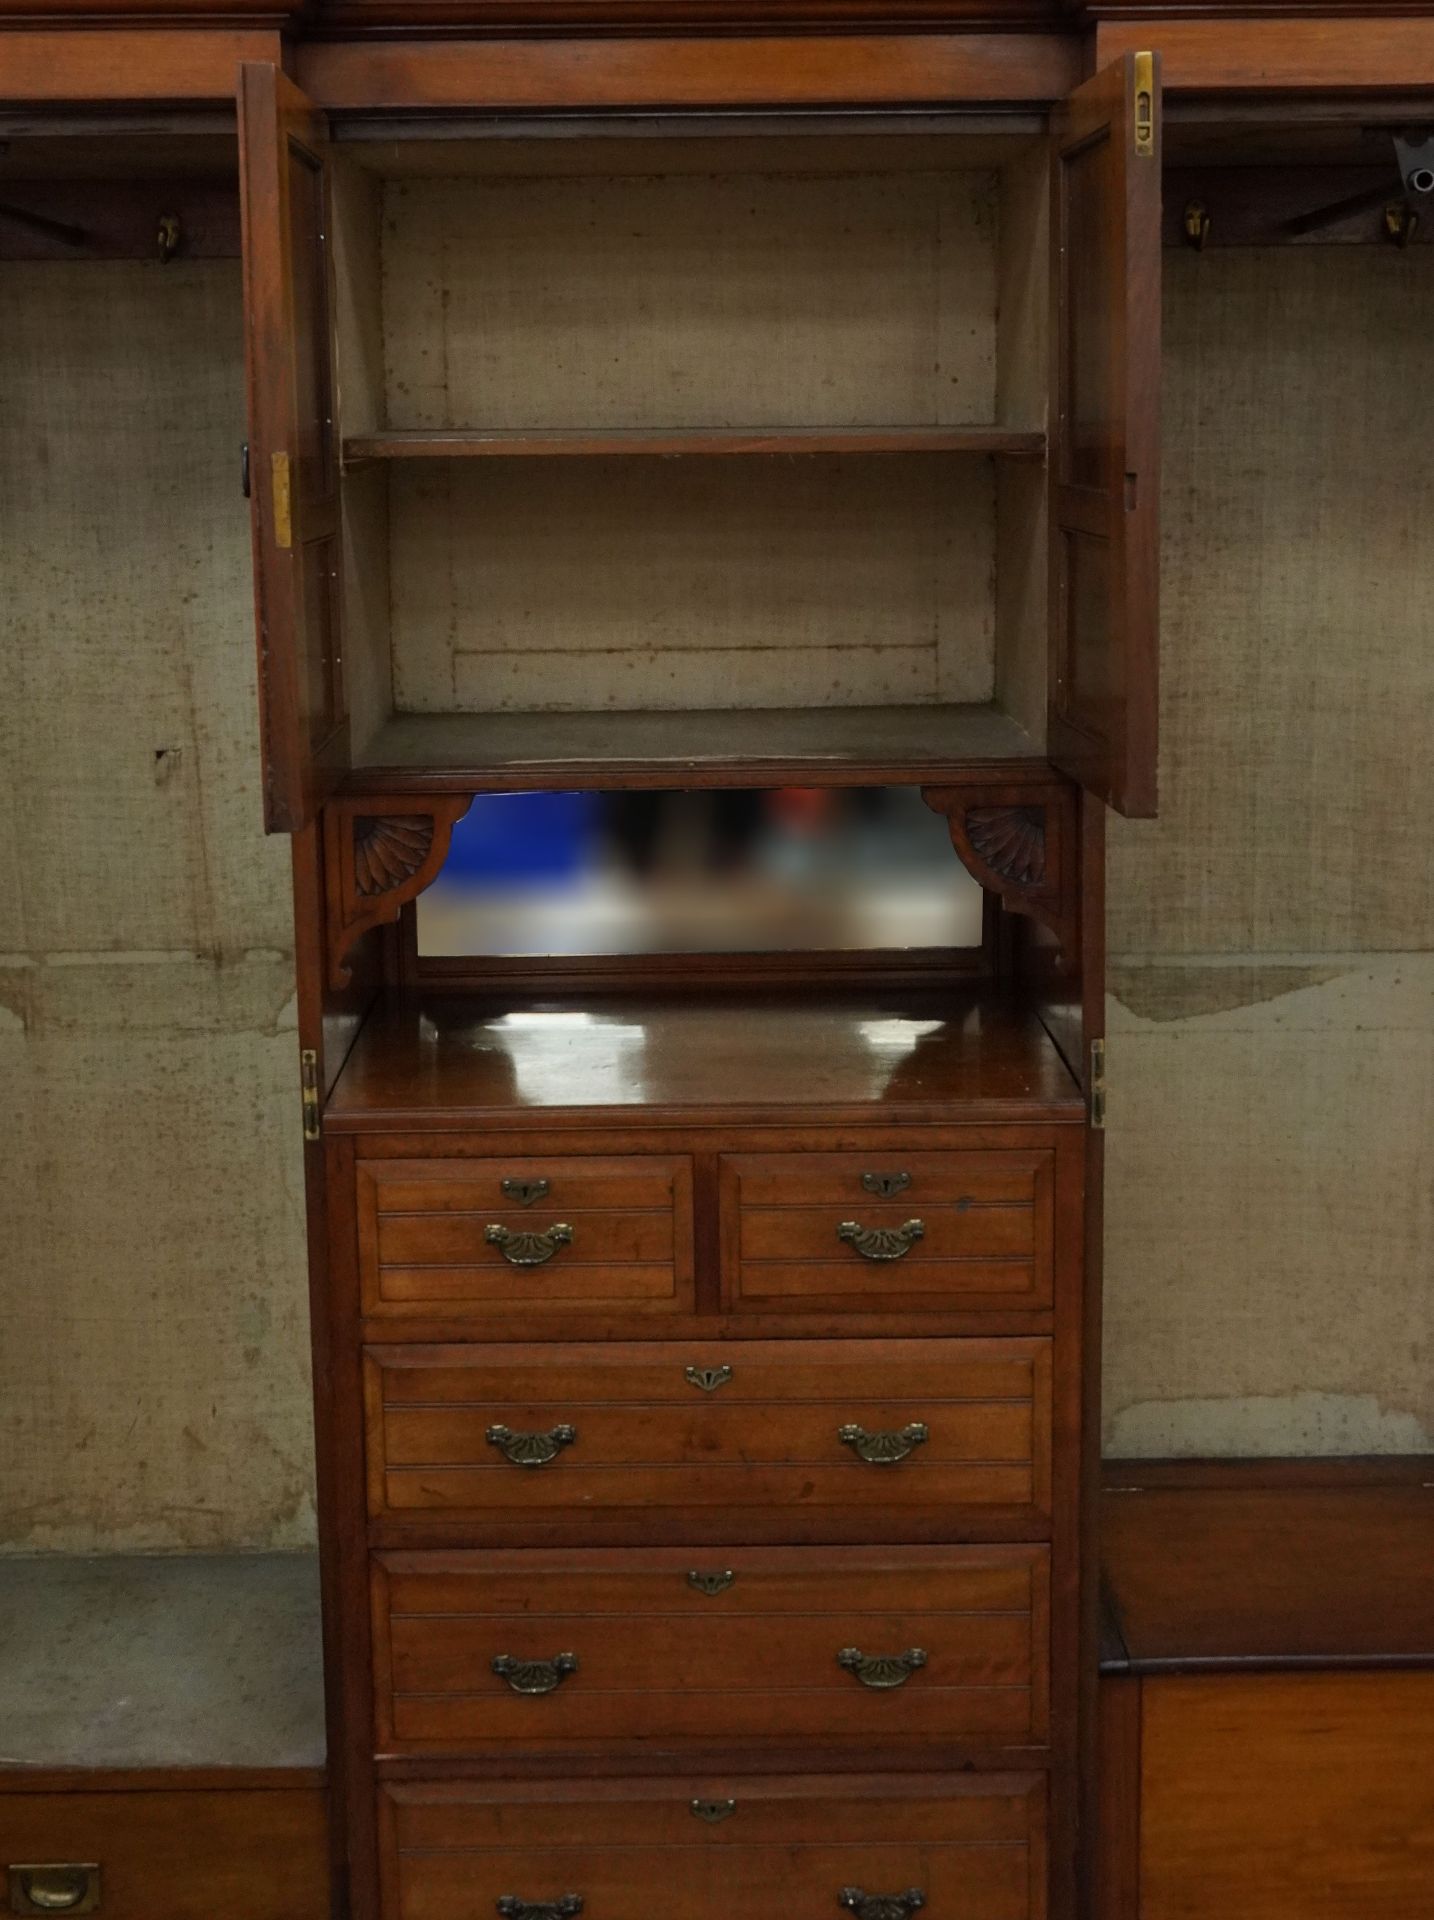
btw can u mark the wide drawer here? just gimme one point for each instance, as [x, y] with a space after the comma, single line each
[952, 1847]
[761, 1645]
[872, 1433]
[445, 1237]
[883, 1232]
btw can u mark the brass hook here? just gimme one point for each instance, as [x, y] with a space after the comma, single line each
[1197, 224]
[169, 237]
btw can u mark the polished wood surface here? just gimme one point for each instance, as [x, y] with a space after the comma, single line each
[810, 746]
[974, 1847]
[1209, 1568]
[1287, 1797]
[759, 1455]
[985, 1224]
[1365, 49]
[1105, 457]
[292, 452]
[144, 65]
[433, 1063]
[757, 71]
[683, 442]
[201, 1855]
[424, 1246]
[756, 1662]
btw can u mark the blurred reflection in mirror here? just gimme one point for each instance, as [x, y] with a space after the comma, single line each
[796, 869]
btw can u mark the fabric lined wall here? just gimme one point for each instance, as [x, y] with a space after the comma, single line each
[1270, 1200]
[154, 1371]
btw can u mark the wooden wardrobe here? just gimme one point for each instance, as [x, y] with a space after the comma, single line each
[706, 1349]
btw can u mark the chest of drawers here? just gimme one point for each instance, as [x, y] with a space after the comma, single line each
[711, 1475]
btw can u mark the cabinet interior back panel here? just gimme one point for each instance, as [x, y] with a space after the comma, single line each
[691, 300]
[552, 585]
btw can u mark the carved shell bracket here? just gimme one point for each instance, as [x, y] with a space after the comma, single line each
[379, 855]
[1021, 843]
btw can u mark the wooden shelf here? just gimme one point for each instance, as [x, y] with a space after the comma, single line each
[476, 443]
[432, 1060]
[829, 746]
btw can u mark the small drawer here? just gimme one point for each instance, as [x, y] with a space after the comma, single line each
[887, 1232]
[950, 1847]
[445, 1238]
[731, 1435]
[758, 1645]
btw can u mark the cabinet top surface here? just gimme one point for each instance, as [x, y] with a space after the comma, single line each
[451, 1061]
[1262, 1564]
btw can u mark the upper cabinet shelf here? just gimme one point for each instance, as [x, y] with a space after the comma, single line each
[601, 443]
[690, 540]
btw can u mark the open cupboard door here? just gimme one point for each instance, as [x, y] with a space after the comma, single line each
[293, 452]
[1105, 480]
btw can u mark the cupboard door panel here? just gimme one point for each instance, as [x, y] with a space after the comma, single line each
[1105, 478]
[293, 448]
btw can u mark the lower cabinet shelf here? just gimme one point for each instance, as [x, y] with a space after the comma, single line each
[958, 1847]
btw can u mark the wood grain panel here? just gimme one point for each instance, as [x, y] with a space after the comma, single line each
[204, 1855]
[1288, 1797]
[652, 1446]
[1375, 52]
[976, 1848]
[658, 1658]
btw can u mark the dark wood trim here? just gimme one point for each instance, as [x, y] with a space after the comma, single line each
[713, 972]
[1116, 1883]
[21, 1779]
[119, 220]
[602, 443]
[575, 76]
[1342, 1473]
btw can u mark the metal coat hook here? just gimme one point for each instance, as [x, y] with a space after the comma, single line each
[169, 237]
[1196, 225]
[1400, 223]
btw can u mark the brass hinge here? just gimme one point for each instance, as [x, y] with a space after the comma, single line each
[1097, 1083]
[283, 500]
[309, 1083]
[1145, 105]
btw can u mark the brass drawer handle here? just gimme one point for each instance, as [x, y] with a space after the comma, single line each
[534, 1676]
[711, 1583]
[882, 1243]
[525, 1192]
[884, 1449]
[531, 1449]
[708, 1379]
[529, 1249]
[881, 1906]
[58, 1887]
[566, 1904]
[882, 1671]
[885, 1186]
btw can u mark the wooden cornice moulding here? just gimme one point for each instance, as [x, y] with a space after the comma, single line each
[338, 18]
[1022, 844]
[1256, 51]
[114, 64]
[666, 72]
[380, 853]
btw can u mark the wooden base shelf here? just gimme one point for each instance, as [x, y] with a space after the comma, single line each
[484, 443]
[833, 746]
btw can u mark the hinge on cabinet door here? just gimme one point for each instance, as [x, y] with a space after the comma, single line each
[283, 504]
[309, 1083]
[1145, 105]
[1097, 1084]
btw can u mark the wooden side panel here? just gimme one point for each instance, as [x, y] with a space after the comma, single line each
[222, 1855]
[1104, 575]
[1288, 1797]
[293, 445]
